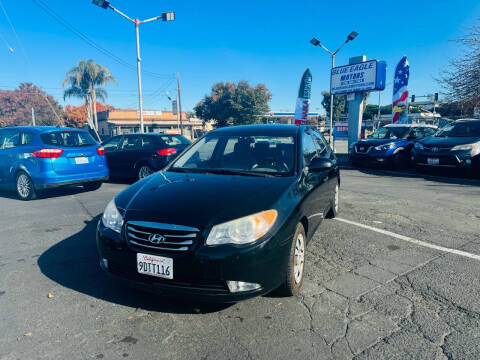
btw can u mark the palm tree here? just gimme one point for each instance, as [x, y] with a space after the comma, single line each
[84, 81]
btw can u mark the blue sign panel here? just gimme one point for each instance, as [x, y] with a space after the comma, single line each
[360, 77]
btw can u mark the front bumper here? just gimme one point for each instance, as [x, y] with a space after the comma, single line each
[202, 273]
[373, 158]
[447, 159]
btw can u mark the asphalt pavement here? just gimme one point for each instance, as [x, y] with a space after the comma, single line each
[395, 276]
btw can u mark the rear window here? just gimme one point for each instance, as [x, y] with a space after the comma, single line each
[68, 138]
[174, 140]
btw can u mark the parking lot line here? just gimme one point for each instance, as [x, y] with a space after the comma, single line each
[411, 240]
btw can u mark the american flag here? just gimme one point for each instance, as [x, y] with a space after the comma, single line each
[400, 87]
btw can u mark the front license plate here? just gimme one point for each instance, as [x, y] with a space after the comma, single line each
[155, 266]
[433, 161]
[81, 160]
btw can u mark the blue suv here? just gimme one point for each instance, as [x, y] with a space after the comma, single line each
[390, 145]
[35, 158]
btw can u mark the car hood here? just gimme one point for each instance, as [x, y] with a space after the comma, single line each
[448, 141]
[199, 200]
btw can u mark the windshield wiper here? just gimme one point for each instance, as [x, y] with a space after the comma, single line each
[238, 172]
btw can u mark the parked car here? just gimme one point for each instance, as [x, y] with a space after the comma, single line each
[135, 156]
[36, 158]
[390, 145]
[229, 219]
[457, 145]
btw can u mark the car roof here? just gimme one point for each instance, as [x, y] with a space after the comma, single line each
[412, 125]
[467, 120]
[40, 129]
[149, 134]
[269, 129]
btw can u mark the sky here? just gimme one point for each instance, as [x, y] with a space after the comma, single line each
[261, 41]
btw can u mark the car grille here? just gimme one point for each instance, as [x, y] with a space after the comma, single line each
[160, 236]
[436, 148]
[362, 149]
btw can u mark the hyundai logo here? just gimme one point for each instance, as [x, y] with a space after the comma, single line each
[435, 149]
[156, 239]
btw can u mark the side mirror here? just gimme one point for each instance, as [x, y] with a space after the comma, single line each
[320, 164]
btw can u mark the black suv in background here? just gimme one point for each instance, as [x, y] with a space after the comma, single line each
[456, 145]
[139, 155]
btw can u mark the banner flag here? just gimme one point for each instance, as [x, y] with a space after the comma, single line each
[303, 100]
[400, 92]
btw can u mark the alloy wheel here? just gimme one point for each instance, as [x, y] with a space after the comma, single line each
[299, 259]
[144, 171]
[336, 200]
[24, 186]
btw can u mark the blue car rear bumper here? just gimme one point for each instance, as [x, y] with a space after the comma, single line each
[51, 179]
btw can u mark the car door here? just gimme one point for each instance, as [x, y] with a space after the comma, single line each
[324, 150]
[111, 154]
[127, 155]
[314, 181]
[9, 141]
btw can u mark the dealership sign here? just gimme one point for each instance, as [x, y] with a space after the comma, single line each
[360, 77]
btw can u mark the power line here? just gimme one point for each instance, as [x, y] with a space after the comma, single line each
[6, 43]
[16, 35]
[49, 11]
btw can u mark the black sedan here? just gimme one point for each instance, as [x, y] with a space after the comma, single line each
[457, 145]
[135, 156]
[229, 219]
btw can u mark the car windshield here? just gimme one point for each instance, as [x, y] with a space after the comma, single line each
[68, 138]
[461, 129]
[254, 155]
[174, 140]
[391, 133]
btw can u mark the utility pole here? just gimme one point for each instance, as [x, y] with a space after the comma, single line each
[33, 116]
[180, 104]
[139, 73]
[166, 16]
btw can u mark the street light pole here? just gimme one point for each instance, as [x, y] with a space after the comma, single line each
[166, 16]
[139, 74]
[317, 42]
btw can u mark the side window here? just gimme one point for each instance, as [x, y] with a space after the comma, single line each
[11, 139]
[429, 131]
[129, 143]
[146, 143]
[416, 133]
[26, 138]
[321, 143]
[308, 148]
[112, 144]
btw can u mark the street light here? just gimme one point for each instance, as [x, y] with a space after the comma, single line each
[316, 42]
[166, 16]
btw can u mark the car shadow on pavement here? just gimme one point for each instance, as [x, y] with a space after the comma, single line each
[447, 176]
[73, 263]
[46, 194]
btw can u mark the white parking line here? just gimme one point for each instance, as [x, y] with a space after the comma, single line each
[412, 240]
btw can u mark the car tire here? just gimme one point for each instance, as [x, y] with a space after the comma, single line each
[92, 186]
[24, 186]
[333, 212]
[400, 160]
[296, 264]
[144, 171]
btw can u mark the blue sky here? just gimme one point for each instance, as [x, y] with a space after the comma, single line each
[259, 41]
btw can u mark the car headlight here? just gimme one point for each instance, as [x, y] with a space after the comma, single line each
[475, 148]
[418, 146]
[242, 231]
[112, 218]
[385, 146]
